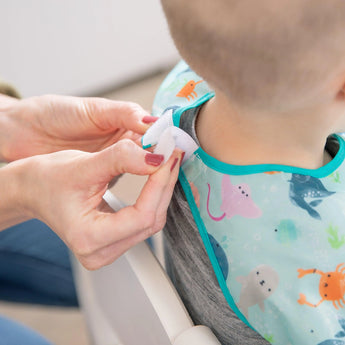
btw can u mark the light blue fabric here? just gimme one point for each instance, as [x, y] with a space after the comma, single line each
[13, 333]
[34, 268]
[276, 242]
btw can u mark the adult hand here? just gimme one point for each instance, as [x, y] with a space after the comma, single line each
[65, 190]
[51, 123]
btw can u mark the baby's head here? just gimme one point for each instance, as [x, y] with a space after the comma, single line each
[272, 55]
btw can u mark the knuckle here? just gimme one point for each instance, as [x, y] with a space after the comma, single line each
[80, 244]
[149, 220]
[134, 107]
[98, 259]
[90, 107]
[152, 224]
[80, 249]
[157, 183]
[90, 263]
[124, 146]
[124, 154]
[160, 223]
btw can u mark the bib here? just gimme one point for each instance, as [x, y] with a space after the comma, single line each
[275, 234]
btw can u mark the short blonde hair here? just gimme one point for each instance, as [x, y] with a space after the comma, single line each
[267, 54]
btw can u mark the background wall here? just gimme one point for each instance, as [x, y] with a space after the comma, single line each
[81, 47]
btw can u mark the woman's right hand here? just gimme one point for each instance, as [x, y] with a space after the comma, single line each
[65, 190]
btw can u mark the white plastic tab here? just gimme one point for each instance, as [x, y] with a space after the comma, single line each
[175, 137]
[153, 133]
[166, 144]
[184, 141]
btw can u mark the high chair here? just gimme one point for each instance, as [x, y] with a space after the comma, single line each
[133, 302]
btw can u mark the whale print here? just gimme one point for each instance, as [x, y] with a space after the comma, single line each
[257, 286]
[302, 188]
[340, 334]
[221, 256]
[236, 200]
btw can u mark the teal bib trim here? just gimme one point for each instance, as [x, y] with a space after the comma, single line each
[225, 168]
[198, 102]
[204, 235]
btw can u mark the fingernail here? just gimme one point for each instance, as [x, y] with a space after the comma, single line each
[154, 159]
[174, 164]
[149, 119]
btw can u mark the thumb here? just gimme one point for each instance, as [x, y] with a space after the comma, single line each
[123, 157]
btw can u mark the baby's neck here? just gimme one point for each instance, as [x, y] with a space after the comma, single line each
[248, 138]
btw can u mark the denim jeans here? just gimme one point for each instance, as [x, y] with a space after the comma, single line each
[34, 268]
[13, 333]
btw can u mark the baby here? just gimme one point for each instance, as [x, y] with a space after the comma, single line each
[255, 234]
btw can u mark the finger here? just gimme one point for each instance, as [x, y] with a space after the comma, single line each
[140, 217]
[150, 200]
[123, 157]
[7, 100]
[167, 183]
[132, 136]
[110, 115]
[109, 253]
[167, 195]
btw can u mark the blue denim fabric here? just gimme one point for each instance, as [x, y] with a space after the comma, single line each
[35, 266]
[13, 333]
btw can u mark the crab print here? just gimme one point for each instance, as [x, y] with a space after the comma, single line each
[331, 286]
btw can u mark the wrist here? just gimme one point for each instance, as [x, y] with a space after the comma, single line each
[7, 104]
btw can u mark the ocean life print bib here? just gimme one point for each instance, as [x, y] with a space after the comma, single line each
[275, 234]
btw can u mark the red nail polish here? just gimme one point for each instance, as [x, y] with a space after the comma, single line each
[154, 159]
[149, 119]
[174, 164]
